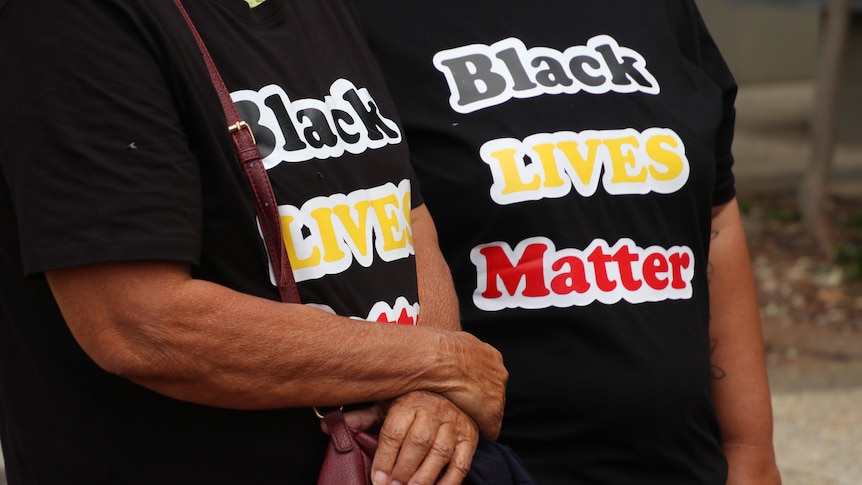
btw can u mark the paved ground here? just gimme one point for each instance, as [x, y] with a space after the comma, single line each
[817, 401]
[817, 406]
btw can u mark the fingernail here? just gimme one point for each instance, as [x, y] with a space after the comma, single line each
[395, 482]
[379, 478]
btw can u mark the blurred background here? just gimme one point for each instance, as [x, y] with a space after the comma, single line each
[798, 151]
[798, 154]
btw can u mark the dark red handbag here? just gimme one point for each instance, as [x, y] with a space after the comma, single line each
[348, 455]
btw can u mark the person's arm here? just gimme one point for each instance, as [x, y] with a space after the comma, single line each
[438, 303]
[439, 434]
[194, 340]
[740, 386]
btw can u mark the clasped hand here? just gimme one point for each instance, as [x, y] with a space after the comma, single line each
[424, 439]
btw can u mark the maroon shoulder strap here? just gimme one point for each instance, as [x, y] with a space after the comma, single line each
[252, 164]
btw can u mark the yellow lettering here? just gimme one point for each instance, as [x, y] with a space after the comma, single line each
[583, 166]
[389, 223]
[358, 231]
[331, 251]
[295, 261]
[549, 165]
[619, 160]
[511, 175]
[670, 159]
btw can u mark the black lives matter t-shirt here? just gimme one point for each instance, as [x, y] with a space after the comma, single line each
[115, 148]
[571, 153]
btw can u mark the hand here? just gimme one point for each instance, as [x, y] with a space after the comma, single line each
[480, 388]
[422, 433]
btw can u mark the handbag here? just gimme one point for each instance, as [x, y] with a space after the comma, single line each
[350, 452]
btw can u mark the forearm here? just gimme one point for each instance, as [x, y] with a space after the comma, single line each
[437, 299]
[740, 386]
[256, 354]
[201, 342]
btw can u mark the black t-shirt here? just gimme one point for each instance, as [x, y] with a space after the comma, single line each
[571, 153]
[115, 148]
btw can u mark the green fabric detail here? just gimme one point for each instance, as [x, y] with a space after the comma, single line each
[254, 3]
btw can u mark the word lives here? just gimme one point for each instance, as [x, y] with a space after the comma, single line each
[548, 165]
[537, 275]
[327, 234]
[481, 75]
[346, 120]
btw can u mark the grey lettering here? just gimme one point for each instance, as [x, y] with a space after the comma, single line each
[480, 76]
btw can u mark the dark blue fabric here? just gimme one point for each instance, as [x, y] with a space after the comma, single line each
[496, 464]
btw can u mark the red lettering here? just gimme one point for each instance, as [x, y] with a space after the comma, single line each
[654, 264]
[600, 261]
[625, 259]
[529, 268]
[679, 261]
[536, 275]
[575, 279]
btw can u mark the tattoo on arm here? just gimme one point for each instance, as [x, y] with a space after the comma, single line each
[717, 372]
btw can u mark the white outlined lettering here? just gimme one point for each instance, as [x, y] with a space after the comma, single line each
[402, 312]
[632, 163]
[537, 275]
[480, 76]
[346, 120]
[328, 234]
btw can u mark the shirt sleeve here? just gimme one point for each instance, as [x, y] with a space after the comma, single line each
[714, 65]
[95, 157]
[416, 198]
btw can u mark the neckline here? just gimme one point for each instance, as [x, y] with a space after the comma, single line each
[265, 13]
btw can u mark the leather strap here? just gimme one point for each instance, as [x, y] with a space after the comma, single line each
[341, 436]
[252, 165]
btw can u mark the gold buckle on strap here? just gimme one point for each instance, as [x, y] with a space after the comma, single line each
[320, 415]
[241, 125]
